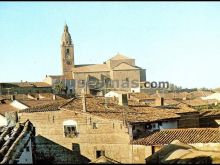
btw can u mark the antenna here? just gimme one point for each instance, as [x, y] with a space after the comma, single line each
[105, 91]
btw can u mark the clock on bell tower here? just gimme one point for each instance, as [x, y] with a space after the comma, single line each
[67, 53]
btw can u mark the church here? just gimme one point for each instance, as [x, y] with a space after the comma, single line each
[117, 73]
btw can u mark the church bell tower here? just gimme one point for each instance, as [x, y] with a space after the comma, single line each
[67, 54]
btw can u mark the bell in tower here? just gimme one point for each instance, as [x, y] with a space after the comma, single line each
[67, 53]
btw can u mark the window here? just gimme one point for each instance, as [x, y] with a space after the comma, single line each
[94, 125]
[154, 126]
[70, 128]
[70, 131]
[67, 50]
[127, 79]
[100, 153]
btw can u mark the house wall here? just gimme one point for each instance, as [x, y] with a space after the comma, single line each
[83, 76]
[209, 121]
[110, 135]
[189, 120]
[121, 75]
[113, 63]
[207, 146]
[168, 125]
[3, 121]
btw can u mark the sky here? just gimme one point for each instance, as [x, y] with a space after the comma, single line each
[178, 42]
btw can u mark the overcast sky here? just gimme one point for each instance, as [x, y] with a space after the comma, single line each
[177, 42]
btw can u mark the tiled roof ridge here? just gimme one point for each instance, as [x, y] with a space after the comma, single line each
[21, 131]
[43, 108]
[123, 63]
[185, 135]
[188, 129]
[67, 102]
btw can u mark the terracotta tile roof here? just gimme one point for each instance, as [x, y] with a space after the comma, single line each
[198, 102]
[189, 136]
[180, 108]
[41, 84]
[44, 107]
[199, 94]
[34, 103]
[171, 95]
[124, 66]
[14, 140]
[119, 56]
[2, 98]
[132, 113]
[141, 96]
[59, 77]
[23, 84]
[56, 76]
[92, 68]
[7, 108]
[104, 160]
[30, 84]
[209, 113]
[181, 153]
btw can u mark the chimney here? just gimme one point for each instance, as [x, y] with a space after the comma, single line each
[102, 153]
[84, 103]
[54, 97]
[159, 101]
[11, 118]
[129, 96]
[12, 97]
[123, 99]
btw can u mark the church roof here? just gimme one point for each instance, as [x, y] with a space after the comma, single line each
[119, 56]
[124, 66]
[92, 68]
[66, 37]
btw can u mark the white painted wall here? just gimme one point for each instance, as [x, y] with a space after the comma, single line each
[3, 121]
[18, 105]
[112, 94]
[136, 90]
[168, 125]
[215, 96]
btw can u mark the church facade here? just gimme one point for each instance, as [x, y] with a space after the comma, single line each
[117, 73]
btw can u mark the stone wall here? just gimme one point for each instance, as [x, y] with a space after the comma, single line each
[189, 120]
[109, 135]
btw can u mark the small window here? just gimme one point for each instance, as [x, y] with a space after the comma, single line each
[70, 131]
[67, 50]
[100, 153]
[127, 79]
[90, 120]
[94, 125]
[154, 126]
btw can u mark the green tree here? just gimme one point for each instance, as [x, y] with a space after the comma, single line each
[59, 87]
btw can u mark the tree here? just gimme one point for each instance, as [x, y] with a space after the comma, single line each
[59, 87]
